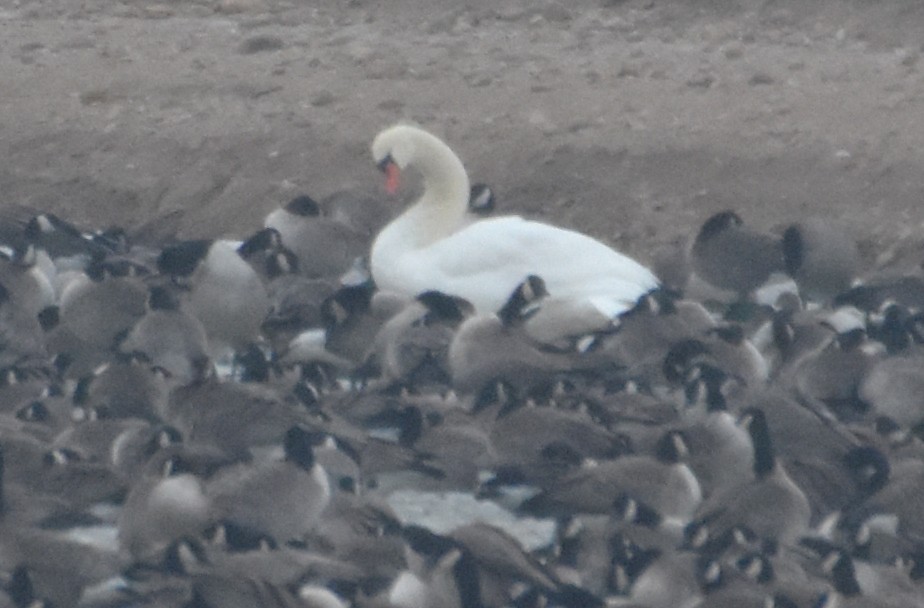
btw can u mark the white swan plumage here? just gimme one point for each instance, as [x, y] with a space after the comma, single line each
[432, 246]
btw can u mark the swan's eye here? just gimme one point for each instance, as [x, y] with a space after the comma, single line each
[385, 162]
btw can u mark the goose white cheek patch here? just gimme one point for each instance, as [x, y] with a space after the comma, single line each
[392, 173]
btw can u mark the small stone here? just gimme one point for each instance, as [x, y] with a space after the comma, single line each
[733, 51]
[760, 78]
[701, 82]
[628, 71]
[230, 7]
[260, 44]
[158, 11]
[391, 105]
[324, 98]
[907, 58]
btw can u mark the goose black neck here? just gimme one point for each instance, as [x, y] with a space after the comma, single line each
[764, 455]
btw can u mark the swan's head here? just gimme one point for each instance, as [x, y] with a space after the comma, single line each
[394, 149]
[397, 145]
[401, 146]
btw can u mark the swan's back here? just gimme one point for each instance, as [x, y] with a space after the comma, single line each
[485, 261]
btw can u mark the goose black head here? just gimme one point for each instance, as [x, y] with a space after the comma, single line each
[523, 302]
[707, 384]
[234, 537]
[756, 567]
[262, 241]
[633, 511]
[161, 297]
[681, 357]
[347, 302]
[35, 411]
[481, 200]
[183, 555]
[672, 448]
[430, 546]
[443, 307]
[869, 467]
[182, 259]
[843, 575]
[304, 206]
[297, 445]
[717, 224]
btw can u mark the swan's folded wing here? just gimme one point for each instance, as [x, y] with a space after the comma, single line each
[485, 261]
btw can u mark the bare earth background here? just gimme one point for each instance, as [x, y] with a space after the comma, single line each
[632, 120]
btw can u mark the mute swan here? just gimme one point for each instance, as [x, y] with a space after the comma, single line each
[822, 258]
[430, 247]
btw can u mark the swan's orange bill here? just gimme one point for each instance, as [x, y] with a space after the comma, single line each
[392, 173]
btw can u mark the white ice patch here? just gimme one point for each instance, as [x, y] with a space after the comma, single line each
[442, 512]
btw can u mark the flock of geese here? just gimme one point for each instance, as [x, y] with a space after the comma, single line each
[220, 424]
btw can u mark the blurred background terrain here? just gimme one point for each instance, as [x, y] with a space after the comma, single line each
[632, 120]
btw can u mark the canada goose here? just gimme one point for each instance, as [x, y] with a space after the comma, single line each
[521, 435]
[770, 506]
[21, 505]
[819, 453]
[821, 257]
[664, 481]
[296, 305]
[730, 256]
[660, 579]
[907, 291]
[232, 416]
[57, 568]
[361, 211]
[47, 416]
[224, 292]
[725, 348]
[266, 254]
[832, 377]
[96, 309]
[170, 338]
[493, 346]
[237, 551]
[898, 328]
[21, 338]
[503, 563]
[167, 502]
[721, 452]
[124, 389]
[441, 573]
[361, 529]
[899, 496]
[857, 583]
[353, 316]
[282, 498]
[325, 247]
[425, 249]
[412, 346]
[132, 448]
[461, 450]
[93, 439]
[62, 239]
[797, 336]
[893, 388]
[648, 331]
[77, 481]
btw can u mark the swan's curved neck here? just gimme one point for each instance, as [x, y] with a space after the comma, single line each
[442, 206]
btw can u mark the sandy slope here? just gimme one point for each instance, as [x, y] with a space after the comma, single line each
[632, 120]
